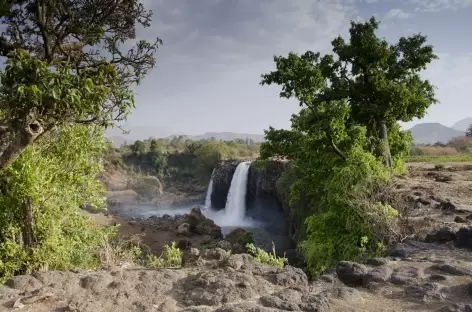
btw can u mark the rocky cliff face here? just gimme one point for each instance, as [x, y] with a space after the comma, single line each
[265, 180]
[221, 183]
[266, 198]
[261, 182]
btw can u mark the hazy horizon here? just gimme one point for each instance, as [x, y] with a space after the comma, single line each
[208, 70]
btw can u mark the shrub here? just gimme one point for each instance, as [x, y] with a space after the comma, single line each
[147, 187]
[248, 238]
[462, 144]
[351, 222]
[59, 176]
[116, 250]
[265, 257]
[170, 258]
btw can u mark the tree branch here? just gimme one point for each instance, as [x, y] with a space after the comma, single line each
[41, 21]
[336, 149]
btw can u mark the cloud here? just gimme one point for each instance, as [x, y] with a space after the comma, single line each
[397, 13]
[234, 32]
[208, 70]
[441, 5]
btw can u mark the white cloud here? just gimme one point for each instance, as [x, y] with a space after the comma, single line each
[214, 51]
[397, 13]
[213, 32]
[441, 5]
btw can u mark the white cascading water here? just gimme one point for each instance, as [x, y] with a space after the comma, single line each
[235, 209]
[209, 191]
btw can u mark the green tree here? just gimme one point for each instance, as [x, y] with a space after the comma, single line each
[138, 147]
[60, 176]
[157, 159]
[209, 154]
[153, 146]
[468, 132]
[66, 63]
[380, 82]
[345, 138]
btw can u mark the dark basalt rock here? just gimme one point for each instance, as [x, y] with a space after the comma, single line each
[221, 183]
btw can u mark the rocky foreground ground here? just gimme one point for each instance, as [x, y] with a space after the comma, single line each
[430, 270]
[415, 277]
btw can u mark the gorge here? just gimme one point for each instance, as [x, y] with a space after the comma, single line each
[239, 195]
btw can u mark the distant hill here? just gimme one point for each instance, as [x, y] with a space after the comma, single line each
[430, 133]
[463, 124]
[225, 136]
[144, 133]
[139, 132]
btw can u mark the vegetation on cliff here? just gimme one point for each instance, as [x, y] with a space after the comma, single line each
[178, 160]
[346, 142]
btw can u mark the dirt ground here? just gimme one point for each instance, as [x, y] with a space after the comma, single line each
[152, 232]
[433, 196]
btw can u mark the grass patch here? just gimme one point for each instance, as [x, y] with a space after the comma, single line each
[265, 257]
[440, 158]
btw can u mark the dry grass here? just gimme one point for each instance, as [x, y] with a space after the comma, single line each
[406, 225]
[439, 150]
[127, 196]
[118, 251]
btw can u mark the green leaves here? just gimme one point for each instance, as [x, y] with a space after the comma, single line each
[60, 177]
[351, 103]
[61, 96]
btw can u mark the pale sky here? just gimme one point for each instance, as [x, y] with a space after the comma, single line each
[208, 70]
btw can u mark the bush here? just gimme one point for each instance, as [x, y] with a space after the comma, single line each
[115, 251]
[147, 187]
[59, 176]
[462, 144]
[170, 258]
[265, 257]
[351, 223]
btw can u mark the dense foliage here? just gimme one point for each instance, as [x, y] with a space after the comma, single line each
[69, 74]
[66, 63]
[180, 159]
[345, 140]
[59, 176]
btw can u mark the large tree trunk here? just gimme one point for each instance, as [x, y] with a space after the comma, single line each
[383, 135]
[15, 138]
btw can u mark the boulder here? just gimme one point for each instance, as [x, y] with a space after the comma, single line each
[464, 238]
[351, 273]
[199, 224]
[239, 236]
[225, 245]
[183, 229]
[184, 244]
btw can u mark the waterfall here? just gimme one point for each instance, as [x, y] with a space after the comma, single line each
[209, 191]
[235, 209]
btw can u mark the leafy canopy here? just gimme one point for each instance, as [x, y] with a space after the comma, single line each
[366, 82]
[68, 61]
[378, 80]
